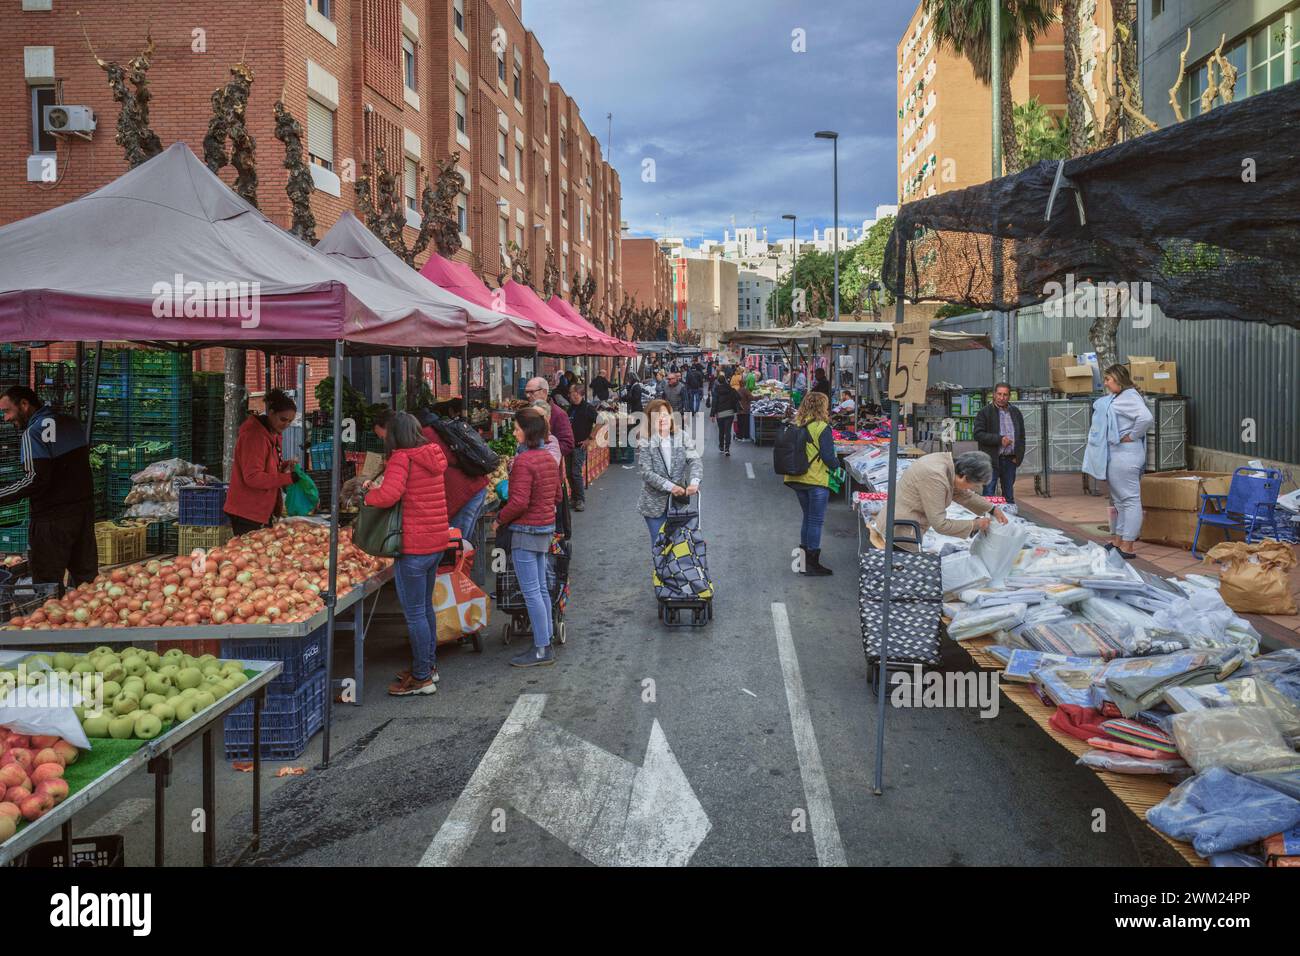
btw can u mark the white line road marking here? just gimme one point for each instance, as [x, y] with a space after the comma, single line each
[749, 469]
[821, 811]
[457, 831]
[120, 817]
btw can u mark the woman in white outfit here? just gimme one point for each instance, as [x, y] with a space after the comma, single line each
[1128, 420]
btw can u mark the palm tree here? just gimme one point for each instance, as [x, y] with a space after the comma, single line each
[963, 27]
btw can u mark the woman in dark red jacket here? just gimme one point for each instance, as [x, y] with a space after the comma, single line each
[535, 491]
[257, 474]
[413, 475]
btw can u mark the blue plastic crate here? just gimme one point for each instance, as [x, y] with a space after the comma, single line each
[13, 539]
[322, 455]
[203, 505]
[289, 720]
[302, 656]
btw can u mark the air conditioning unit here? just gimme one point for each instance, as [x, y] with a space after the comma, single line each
[69, 119]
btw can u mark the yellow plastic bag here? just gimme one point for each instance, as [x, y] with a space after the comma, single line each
[1253, 577]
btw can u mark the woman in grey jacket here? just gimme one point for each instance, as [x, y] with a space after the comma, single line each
[669, 464]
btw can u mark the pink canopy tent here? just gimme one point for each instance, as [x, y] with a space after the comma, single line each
[459, 279]
[556, 335]
[617, 345]
[353, 244]
[169, 253]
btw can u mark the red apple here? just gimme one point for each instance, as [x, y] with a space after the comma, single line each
[9, 810]
[55, 788]
[12, 775]
[18, 740]
[33, 807]
[41, 742]
[68, 752]
[47, 771]
[48, 755]
[21, 756]
[8, 827]
[18, 794]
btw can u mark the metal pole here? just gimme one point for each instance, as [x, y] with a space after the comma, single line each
[794, 274]
[835, 152]
[331, 597]
[901, 244]
[995, 68]
[76, 379]
[94, 388]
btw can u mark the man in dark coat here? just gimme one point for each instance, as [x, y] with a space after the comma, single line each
[1000, 433]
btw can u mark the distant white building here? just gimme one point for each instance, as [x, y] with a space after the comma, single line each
[753, 292]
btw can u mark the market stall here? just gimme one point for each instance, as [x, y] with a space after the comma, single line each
[192, 234]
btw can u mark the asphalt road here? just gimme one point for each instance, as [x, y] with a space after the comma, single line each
[740, 744]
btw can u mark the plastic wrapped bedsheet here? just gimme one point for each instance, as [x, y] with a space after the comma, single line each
[1052, 563]
[962, 571]
[1118, 618]
[978, 622]
[1069, 683]
[1218, 811]
[1135, 683]
[1240, 739]
[992, 597]
[1045, 614]
[1123, 763]
[1074, 638]
[998, 548]
[1203, 620]
[1241, 692]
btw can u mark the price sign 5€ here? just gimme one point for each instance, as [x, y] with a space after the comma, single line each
[909, 369]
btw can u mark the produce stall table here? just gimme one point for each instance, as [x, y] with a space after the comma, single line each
[157, 756]
[354, 600]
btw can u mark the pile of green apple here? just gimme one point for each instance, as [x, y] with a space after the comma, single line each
[144, 691]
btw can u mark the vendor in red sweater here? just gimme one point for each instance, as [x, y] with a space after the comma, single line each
[257, 472]
[465, 493]
[527, 519]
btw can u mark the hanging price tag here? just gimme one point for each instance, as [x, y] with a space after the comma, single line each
[909, 366]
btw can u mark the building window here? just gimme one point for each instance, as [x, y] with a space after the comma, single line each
[503, 231]
[462, 108]
[519, 164]
[519, 84]
[408, 64]
[564, 208]
[501, 67]
[519, 237]
[462, 215]
[42, 142]
[323, 7]
[501, 152]
[385, 375]
[411, 183]
[1157, 8]
[1268, 57]
[320, 134]
[458, 14]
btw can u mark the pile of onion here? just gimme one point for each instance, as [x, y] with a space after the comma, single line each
[271, 576]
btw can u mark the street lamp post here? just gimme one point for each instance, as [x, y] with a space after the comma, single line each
[834, 137]
[794, 267]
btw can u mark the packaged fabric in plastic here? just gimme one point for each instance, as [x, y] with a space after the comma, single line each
[1000, 652]
[1022, 664]
[1045, 613]
[1241, 692]
[1219, 811]
[1065, 594]
[1118, 618]
[1123, 763]
[1240, 739]
[1069, 683]
[992, 597]
[1205, 621]
[1136, 683]
[998, 547]
[1052, 563]
[977, 622]
[1072, 637]
[962, 571]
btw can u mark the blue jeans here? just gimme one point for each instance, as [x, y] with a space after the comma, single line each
[1004, 469]
[813, 500]
[415, 576]
[653, 524]
[530, 568]
[467, 516]
[693, 398]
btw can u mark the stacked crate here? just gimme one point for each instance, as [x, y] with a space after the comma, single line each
[295, 701]
[56, 384]
[161, 395]
[207, 419]
[14, 370]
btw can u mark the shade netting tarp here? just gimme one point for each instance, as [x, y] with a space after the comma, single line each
[1207, 211]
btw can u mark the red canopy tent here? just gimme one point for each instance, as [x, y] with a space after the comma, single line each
[565, 309]
[555, 334]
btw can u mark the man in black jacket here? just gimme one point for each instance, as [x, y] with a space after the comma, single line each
[582, 415]
[56, 477]
[694, 387]
[1000, 433]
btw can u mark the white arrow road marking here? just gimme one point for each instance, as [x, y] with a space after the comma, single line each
[604, 807]
[821, 811]
[749, 469]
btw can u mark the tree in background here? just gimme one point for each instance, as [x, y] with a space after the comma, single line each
[863, 266]
[550, 274]
[138, 141]
[299, 186]
[962, 26]
[1039, 134]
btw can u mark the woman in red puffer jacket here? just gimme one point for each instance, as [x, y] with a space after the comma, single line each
[413, 475]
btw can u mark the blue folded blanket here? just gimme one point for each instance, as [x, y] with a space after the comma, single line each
[1219, 811]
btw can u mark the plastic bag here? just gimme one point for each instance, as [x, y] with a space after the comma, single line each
[998, 548]
[1220, 811]
[1240, 739]
[45, 710]
[978, 622]
[1053, 563]
[301, 497]
[962, 571]
[1123, 763]
[167, 470]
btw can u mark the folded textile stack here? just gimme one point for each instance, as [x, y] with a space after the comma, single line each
[977, 622]
[1073, 637]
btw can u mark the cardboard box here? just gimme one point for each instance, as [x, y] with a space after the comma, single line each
[1062, 361]
[1182, 490]
[1177, 529]
[1158, 378]
[373, 464]
[1072, 379]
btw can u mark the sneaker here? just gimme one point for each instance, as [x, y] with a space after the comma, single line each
[408, 686]
[579, 506]
[534, 657]
[404, 675]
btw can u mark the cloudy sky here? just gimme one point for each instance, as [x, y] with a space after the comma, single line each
[713, 92]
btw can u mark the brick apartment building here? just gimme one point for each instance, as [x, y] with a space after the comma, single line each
[422, 78]
[944, 134]
[647, 273]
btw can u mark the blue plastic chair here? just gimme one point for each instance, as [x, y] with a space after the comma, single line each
[1250, 506]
